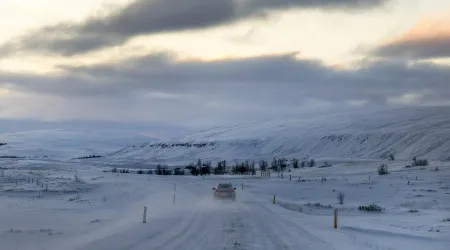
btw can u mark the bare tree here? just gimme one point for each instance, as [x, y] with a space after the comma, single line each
[274, 165]
[294, 163]
[263, 165]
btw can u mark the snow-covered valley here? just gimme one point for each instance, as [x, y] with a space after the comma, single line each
[57, 202]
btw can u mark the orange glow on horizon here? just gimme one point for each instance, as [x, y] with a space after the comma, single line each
[429, 27]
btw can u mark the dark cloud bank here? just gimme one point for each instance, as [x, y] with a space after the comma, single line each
[156, 87]
[156, 16]
[432, 47]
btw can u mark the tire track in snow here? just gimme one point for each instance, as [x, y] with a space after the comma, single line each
[277, 232]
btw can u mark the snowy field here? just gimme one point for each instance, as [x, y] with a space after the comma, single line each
[73, 206]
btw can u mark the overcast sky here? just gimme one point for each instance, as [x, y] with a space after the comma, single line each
[196, 64]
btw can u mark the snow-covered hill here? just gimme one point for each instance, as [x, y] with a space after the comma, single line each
[64, 143]
[405, 133]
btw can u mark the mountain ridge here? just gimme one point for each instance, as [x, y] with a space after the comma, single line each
[405, 133]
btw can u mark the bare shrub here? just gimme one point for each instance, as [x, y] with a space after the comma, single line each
[383, 169]
[391, 157]
[420, 162]
[318, 205]
[371, 208]
[75, 198]
[340, 197]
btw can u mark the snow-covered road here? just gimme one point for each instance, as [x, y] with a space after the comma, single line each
[198, 222]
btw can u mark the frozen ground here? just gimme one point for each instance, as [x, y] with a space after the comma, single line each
[86, 208]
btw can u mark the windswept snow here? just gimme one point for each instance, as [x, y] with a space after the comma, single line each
[87, 208]
[405, 133]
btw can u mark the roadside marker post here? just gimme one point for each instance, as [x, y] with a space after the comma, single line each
[274, 199]
[144, 219]
[335, 218]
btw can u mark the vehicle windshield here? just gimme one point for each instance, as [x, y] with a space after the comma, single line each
[224, 186]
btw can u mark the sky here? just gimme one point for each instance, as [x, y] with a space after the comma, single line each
[195, 64]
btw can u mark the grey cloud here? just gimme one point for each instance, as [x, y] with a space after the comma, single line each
[155, 16]
[219, 91]
[420, 48]
[258, 6]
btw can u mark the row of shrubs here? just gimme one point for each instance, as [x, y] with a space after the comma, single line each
[89, 157]
[186, 145]
[222, 167]
[243, 168]
[157, 171]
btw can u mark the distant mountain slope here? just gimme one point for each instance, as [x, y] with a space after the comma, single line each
[423, 132]
[66, 144]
